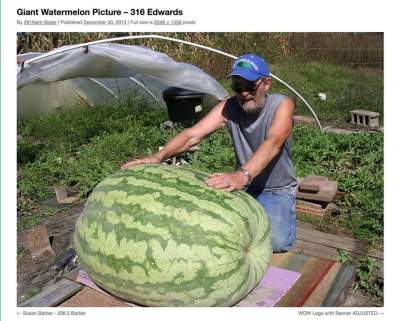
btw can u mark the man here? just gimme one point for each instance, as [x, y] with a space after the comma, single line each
[260, 125]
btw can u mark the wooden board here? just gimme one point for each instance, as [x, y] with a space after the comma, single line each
[322, 289]
[54, 294]
[313, 270]
[57, 226]
[310, 241]
[338, 292]
[322, 282]
[88, 297]
[307, 234]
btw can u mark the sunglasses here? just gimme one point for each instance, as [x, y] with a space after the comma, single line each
[248, 86]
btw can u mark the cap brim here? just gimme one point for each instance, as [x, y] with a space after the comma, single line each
[246, 74]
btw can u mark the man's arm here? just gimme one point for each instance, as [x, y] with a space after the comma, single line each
[187, 138]
[276, 136]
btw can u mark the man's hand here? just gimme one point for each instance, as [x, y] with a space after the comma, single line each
[227, 181]
[147, 160]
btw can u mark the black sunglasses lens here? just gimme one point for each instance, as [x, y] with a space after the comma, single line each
[241, 87]
[237, 87]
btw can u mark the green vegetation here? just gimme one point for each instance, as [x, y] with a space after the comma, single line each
[21, 252]
[343, 257]
[346, 89]
[356, 162]
[367, 279]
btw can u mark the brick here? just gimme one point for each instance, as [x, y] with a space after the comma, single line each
[63, 196]
[365, 118]
[309, 210]
[365, 113]
[314, 209]
[327, 193]
[310, 204]
[61, 193]
[38, 243]
[329, 189]
[313, 183]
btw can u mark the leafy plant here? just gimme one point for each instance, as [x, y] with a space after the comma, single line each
[367, 280]
[21, 252]
[343, 257]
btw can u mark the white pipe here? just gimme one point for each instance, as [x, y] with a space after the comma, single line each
[173, 40]
[104, 87]
[147, 90]
[132, 79]
[125, 38]
[304, 101]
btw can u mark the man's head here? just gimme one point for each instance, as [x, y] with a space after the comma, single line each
[250, 80]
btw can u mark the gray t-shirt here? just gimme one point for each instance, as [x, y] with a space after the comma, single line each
[248, 132]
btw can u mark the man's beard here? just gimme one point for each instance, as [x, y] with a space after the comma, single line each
[249, 108]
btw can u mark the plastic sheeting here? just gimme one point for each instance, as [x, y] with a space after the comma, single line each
[104, 73]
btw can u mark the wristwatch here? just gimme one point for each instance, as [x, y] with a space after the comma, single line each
[247, 173]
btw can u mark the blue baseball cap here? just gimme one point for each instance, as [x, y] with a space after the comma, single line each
[250, 67]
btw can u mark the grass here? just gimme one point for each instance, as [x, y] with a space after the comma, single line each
[346, 89]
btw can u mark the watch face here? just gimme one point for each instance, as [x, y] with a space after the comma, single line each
[247, 173]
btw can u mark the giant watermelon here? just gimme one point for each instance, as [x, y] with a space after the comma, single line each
[156, 235]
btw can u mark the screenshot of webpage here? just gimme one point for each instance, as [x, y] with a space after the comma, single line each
[175, 160]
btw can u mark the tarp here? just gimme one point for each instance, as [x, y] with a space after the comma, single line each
[101, 73]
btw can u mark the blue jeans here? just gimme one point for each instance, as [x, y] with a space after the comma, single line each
[280, 207]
